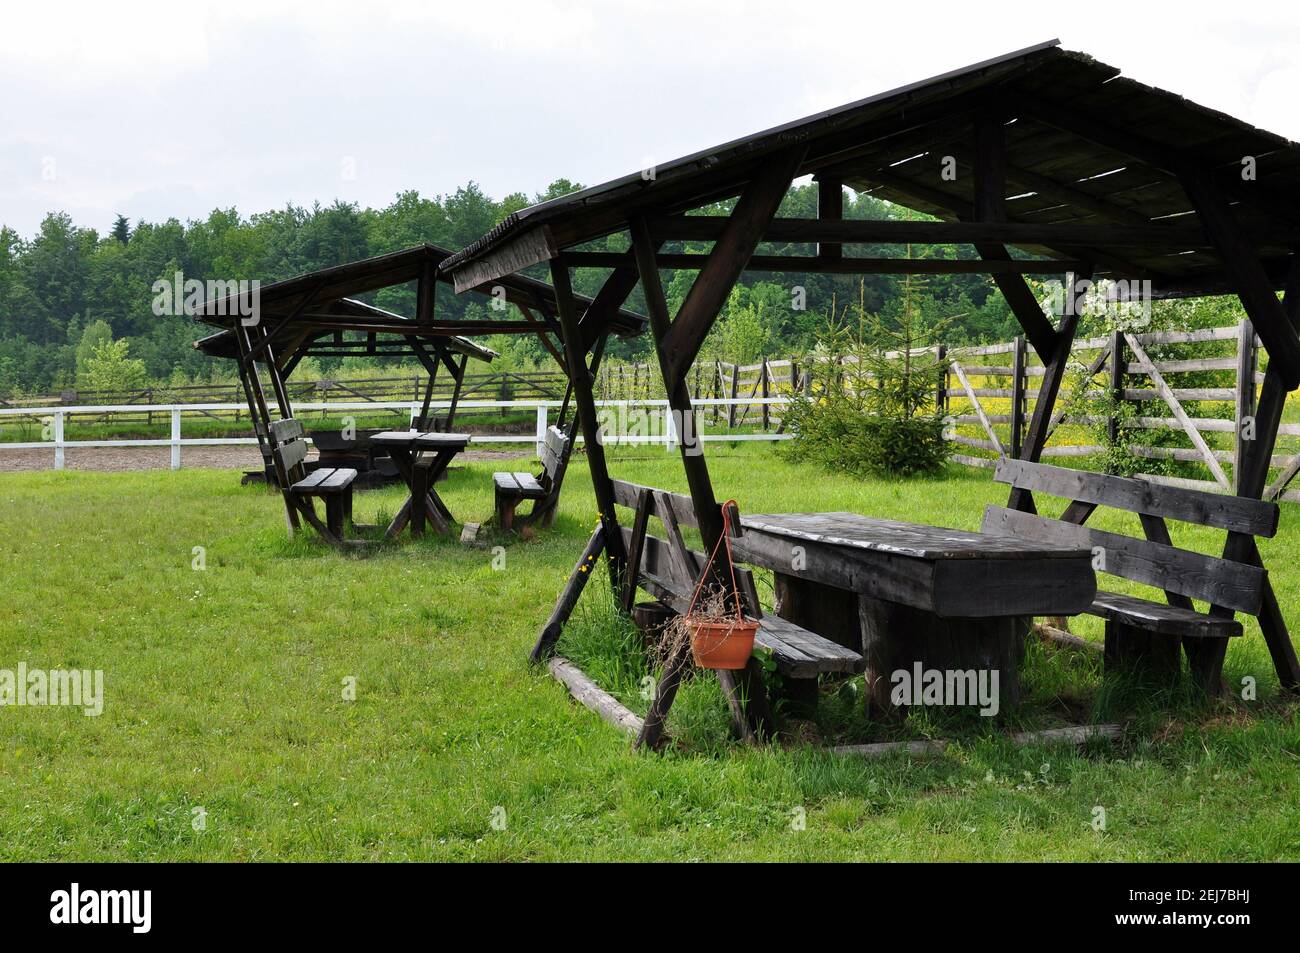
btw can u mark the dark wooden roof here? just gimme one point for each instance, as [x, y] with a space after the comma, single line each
[348, 315]
[1085, 146]
[329, 288]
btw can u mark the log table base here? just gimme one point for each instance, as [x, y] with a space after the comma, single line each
[894, 638]
[965, 652]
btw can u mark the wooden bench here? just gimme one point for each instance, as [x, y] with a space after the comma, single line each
[511, 489]
[332, 484]
[668, 570]
[1143, 636]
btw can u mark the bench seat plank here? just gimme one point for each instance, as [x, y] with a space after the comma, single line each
[518, 484]
[325, 480]
[797, 652]
[801, 653]
[1161, 617]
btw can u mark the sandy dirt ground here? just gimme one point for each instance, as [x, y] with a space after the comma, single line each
[118, 459]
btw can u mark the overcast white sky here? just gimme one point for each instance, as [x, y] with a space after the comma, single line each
[174, 108]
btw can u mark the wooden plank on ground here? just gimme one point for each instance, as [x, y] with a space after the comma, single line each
[1072, 734]
[592, 696]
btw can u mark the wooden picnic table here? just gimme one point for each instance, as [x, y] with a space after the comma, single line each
[421, 457]
[903, 593]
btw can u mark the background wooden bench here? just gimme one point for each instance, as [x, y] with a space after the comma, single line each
[511, 489]
[332, 484]
[1143, 636]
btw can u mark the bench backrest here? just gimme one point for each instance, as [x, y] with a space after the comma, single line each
[433, 422]
[288, 450]
[668, 563]
[555, 456]
[1154, 560]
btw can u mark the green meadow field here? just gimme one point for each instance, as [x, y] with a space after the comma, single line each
[226, 733]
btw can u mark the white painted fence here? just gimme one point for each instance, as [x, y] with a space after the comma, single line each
[659, 427]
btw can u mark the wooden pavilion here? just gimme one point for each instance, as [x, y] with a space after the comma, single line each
[1043, 161]
[316, 314]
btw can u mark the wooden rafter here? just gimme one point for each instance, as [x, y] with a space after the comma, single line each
[756, 207]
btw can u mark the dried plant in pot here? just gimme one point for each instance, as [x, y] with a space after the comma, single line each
[721, 636]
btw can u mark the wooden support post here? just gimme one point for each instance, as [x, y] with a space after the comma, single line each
[1206, 656]
[431, 365]
[259, 426]
[708, 515]
[577, 581]
[1053, 374]
[262, 419]
[1017, 394]
[455, 393]
[990, 206]
[277, 382]
[580, 378]
[830, 207]
[426, 292]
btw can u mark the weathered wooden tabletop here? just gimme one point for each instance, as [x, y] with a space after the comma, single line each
[420, 439]
[899, 538]
[950, 572]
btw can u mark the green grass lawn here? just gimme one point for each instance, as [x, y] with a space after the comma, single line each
[224, 695]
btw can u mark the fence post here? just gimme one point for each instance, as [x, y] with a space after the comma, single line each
[541, 429]
[717, 389]
[766, 393]
[671, 439]
[176, 438]
[941, 384]
[1017, 394]
[1245, 396]
[58, 440]
[1116, 384]
[735, 387]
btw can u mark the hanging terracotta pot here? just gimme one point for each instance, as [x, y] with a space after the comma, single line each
[722, 643]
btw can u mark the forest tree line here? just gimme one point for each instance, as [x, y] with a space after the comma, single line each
[75, 305]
